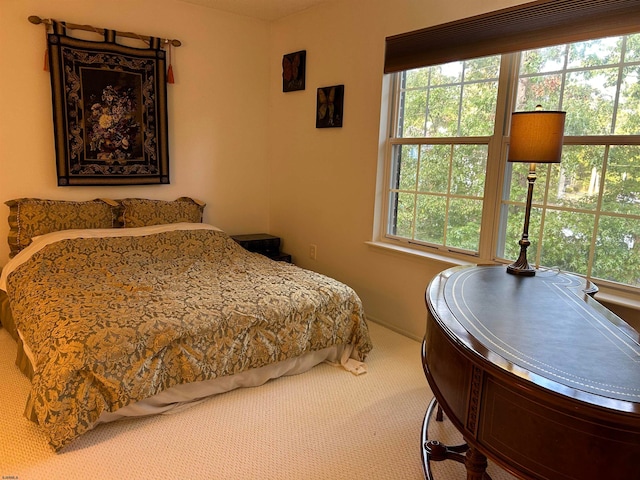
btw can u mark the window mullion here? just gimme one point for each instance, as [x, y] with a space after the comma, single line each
[416, 190]
[596, 220]
[543, 214]
[621, 66]
[461, 97]
[448, 195]
[507, 85]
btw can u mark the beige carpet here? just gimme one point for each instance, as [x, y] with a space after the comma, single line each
[325, 424]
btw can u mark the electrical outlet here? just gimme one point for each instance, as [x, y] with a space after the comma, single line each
[313, 250]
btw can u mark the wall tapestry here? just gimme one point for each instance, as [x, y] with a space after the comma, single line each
[294, 66]
[109, 111]
[329, 106]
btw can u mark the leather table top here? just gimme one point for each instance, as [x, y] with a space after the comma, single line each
[544, 325]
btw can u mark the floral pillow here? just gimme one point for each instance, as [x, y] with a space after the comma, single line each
[30, 217]
[140, 212]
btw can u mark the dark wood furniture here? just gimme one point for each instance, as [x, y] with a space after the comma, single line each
[535, 374]
[264, 244]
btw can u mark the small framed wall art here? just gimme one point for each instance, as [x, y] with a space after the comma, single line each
[329, 106]
[293, 71]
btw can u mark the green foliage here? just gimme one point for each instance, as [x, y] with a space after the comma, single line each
[618, 253]
[566, 240]
[430, 219]
[431, 178]
[586, 210]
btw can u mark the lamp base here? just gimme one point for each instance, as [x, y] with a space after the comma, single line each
[521, 265]
[526, 271]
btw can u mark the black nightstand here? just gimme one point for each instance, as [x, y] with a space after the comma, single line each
[264, 244]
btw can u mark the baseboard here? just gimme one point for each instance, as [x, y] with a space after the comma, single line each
[394, 328]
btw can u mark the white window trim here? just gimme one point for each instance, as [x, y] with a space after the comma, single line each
[611, 292]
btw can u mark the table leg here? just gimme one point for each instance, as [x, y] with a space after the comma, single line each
[435, 451]
[476, 464]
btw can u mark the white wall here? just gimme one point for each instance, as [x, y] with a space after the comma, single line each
[323, 181]
[218, 107]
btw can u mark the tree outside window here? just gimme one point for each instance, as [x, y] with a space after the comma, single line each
[448, 131]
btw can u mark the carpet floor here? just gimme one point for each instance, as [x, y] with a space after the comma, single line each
[325, 424]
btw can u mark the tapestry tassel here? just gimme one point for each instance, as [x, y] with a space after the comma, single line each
[170, 69]
[170, 75]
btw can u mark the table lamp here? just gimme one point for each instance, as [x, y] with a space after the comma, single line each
[536, 137]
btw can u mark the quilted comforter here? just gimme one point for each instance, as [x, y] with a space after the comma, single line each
[113, 320]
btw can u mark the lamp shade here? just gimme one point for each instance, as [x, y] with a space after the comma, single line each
[536, 137]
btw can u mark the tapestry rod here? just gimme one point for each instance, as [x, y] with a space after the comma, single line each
[72, 26]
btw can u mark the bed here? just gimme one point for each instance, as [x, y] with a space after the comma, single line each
[134, 307]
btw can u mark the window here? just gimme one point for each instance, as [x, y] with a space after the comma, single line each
[450, 190]
[440, 149]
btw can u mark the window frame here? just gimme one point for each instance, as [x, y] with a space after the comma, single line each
[497, 171]
[496, 145]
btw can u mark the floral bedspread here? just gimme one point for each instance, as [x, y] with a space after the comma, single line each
[111, 321]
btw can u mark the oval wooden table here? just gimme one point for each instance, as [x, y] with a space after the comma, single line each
[534, 373]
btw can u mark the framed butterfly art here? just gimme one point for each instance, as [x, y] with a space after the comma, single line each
[293, 71]
[329, 106]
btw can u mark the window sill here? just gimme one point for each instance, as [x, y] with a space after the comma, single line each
[401, 250]
[615, 297]
[605, 293]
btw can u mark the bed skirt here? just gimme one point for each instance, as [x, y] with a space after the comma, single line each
[184, 396]
[187, 395]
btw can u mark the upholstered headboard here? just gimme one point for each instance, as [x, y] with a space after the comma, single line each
[31, 217]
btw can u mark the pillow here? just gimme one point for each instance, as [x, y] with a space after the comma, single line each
[30, 217]
[141, 212]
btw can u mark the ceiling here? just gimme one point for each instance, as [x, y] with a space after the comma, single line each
[263, 9]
